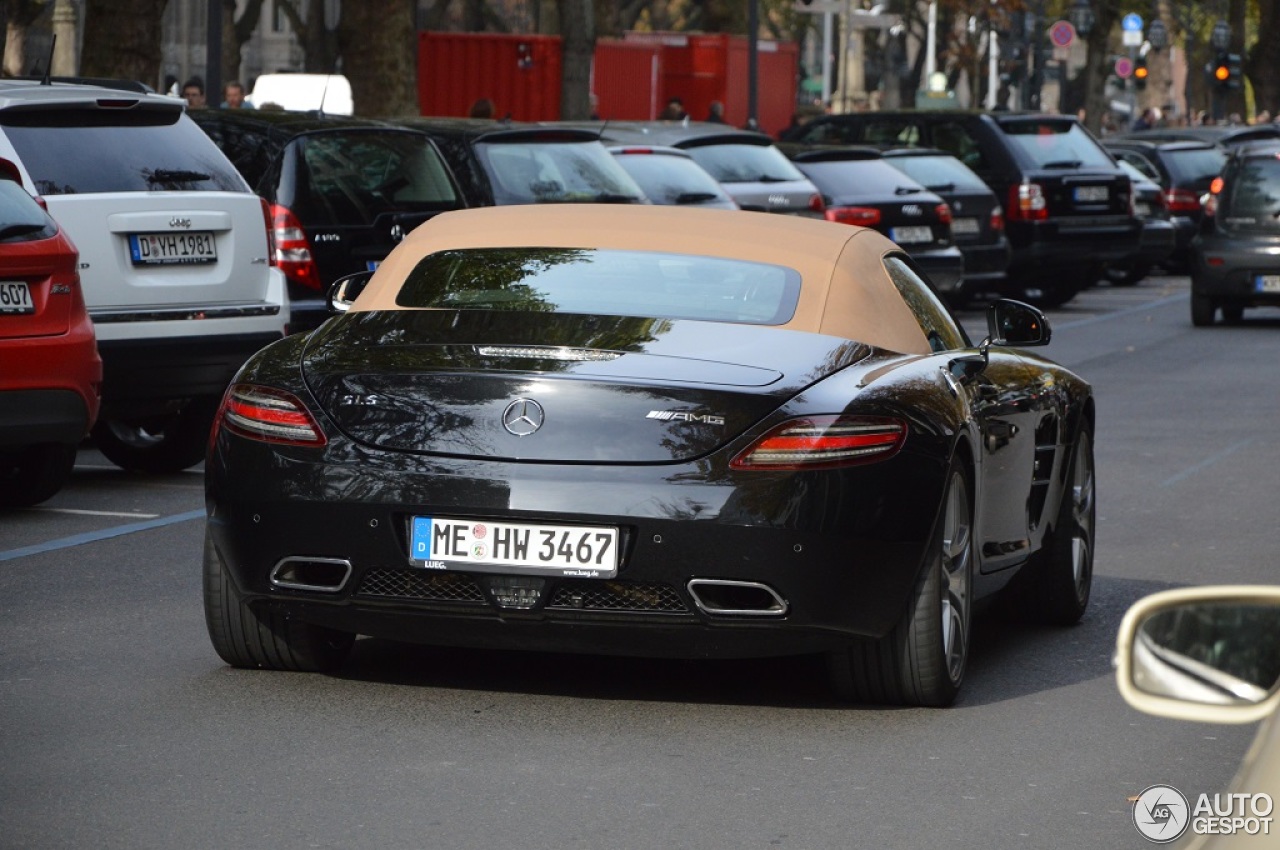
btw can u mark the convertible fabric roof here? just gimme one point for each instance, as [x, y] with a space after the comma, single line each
[845, 289]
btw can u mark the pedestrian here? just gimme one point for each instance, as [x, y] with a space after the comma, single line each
[233, 96]
[193, 91]
[674, 110]
[715, 112]
[483, 108]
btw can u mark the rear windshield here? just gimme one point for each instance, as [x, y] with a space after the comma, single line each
[555, 172]
[668, 179]
[603, 282]
[74, 152]
[1057, 144]
[939, 173]
[21, 218]
[1252, 193]
[745, 163]
[352, 177]
[1195, 167]
[860, 177]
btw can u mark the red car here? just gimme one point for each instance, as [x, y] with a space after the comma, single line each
[50, 371]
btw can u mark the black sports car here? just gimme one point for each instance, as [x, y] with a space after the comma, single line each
[650, 431]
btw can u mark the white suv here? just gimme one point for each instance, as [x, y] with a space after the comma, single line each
[175, 262]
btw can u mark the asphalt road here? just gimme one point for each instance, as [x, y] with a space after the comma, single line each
[120, 728]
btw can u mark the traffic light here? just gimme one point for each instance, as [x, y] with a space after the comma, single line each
[1140, 73]
[1235, 71]
[1220, 71]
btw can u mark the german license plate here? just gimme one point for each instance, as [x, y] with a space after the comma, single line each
[1091, 194]
[1269, 283]
[964, 227]
[1141, 210]
[908, 235]
[165, 249]
[587, 551]
[15, 297]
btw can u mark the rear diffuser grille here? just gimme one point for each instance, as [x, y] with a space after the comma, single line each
[618, 596]
[421, 584]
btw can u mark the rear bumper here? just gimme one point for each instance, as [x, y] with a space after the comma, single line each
[1159, 237]
[986, 262]
[34, 417]
[1061, 243]
[944, 266]
[1240, 263]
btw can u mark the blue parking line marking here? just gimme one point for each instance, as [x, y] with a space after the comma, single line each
[95, 536]
[1209, 461]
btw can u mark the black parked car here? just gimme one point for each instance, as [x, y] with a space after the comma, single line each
[343, 191]
[501, 163]
[1184, 170]
[859, 187]
[1158, 232]
[1222, 135]
[1235, 261]
[977, 218]
[1066, 201]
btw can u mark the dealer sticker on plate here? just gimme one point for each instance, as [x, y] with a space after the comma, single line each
[586, 551]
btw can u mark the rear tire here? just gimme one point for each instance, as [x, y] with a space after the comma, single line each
[1202, 310]
[1128, 274]
[923, 660]
[245, 637]
[32, 474]
[158, 444]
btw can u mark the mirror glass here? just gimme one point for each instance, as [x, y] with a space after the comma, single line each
[345, 290]
[1212, 653]
[1015, 323]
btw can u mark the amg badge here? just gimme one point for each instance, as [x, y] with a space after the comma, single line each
[683, 416]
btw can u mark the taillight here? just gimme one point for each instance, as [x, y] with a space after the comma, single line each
[944, 213]
[272, 259]
[269, 415]
[816, 204]
[997, 218]
[1210, 202]
[1027, 203]
[862, 216]
[1182, 200]
[824, 442]
[293, 249]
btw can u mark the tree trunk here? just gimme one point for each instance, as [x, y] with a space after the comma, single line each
[122, 39]
[578, 31]
[378, 55]
[1096, 67]
[22, 14]
[1264, 59]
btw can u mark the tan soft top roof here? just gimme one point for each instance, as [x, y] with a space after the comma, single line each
[845, 290]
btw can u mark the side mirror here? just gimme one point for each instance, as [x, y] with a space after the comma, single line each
[1204, 653]
[344, 291]
[1011, 322]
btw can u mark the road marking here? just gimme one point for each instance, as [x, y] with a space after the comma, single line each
[95, 536]
[1209, 461]
[1148, 305]
[80, 512]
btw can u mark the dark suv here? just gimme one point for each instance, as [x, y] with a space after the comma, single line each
[1235, 261]
[1067, 203]
[343, 191]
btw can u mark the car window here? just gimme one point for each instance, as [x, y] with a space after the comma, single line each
[668, 179]
[1195, 166]
[134, 151]
[936, 172]
[745, 163]
[353, 177]
[860, 177]
[549, 172]
[954, 138]
[830, 133]
[1252, 193]
[1056, 144]
[21, 218]
[939, 328]
[1139, 163]
[891, 131]
[603, 282]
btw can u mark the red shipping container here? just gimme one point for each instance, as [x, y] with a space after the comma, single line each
[519, 73]
[626, 77]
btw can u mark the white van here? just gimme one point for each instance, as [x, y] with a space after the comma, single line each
[328, 93]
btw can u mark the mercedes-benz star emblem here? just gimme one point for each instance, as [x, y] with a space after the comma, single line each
[522, 417]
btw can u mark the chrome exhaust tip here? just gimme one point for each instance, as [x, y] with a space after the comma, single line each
[723, 597]
[326, 575]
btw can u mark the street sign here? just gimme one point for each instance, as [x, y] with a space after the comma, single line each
[1062, 33]
[1131, 38]
[1132, 22]
[1124, 67]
